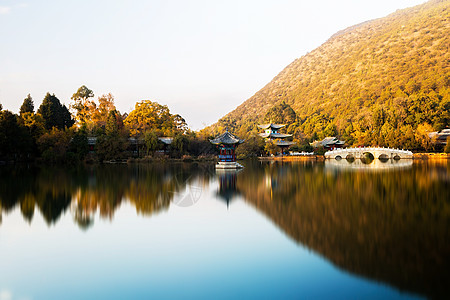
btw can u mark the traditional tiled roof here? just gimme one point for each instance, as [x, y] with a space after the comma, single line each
[328, 141]
[273, 126]
[441, 136]
[274, 135]
[166, 140]
[92, 140]
[284, 143]
[227, 139]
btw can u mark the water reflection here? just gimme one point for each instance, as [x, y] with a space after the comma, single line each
[149, 188]
[391, 225]
[227, 185]
[374, 165]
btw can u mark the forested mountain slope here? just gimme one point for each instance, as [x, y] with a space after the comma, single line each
[383, 82]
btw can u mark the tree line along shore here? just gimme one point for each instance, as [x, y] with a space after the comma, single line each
[90, 130]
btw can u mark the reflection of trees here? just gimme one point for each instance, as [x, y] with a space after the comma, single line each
[150, 188]
[391, 226]
[48, 189]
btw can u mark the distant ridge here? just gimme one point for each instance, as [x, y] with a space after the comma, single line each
[367, 83]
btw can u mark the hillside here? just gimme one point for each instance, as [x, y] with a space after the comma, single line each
[366, 84]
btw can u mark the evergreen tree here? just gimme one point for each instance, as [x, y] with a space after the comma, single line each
[55, 114]
[27, 106]
[15, 140]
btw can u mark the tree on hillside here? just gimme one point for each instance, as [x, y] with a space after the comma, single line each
[372, 81]
[27, 106]
[271, 148]
[281, 114]
[82, 105]
[253, 147]
[422, 136]
[55, 114]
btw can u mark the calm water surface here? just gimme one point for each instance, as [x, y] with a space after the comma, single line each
[274, 230]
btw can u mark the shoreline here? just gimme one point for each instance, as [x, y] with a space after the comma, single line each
[416, 156]
[292, 158]
[431, 156]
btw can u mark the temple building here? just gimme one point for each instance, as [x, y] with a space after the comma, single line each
[440, 137]
[271, 133]
[166, 142]
[227, 143]
[329, 143]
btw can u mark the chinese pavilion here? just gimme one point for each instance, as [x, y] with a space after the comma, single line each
[271, 134]
[329, 143]
[227, 143]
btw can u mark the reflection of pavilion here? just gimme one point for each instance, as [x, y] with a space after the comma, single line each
[375, 165]
[227, 185]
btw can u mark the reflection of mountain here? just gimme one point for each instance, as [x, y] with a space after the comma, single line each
[391, 226]
[149, 188]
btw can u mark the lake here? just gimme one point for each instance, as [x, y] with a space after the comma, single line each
[274, 230]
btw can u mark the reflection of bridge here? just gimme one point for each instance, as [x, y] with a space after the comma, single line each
[383, 153]
[374, 166]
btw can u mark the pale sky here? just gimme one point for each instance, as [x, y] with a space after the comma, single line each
[201, 58]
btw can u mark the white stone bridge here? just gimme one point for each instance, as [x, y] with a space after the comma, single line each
[380, 153]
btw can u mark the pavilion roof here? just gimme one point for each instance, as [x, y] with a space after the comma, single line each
[274, 135]
[284, 143]
[328, 141]
[166, 140]
[227, 139]
[273, 126]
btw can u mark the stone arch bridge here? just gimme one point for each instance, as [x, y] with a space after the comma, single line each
[380, 153]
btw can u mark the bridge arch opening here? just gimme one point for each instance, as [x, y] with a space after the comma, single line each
[350, 158]
[338, 157]
[367, 158]
[383, 157]
[396, 157]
